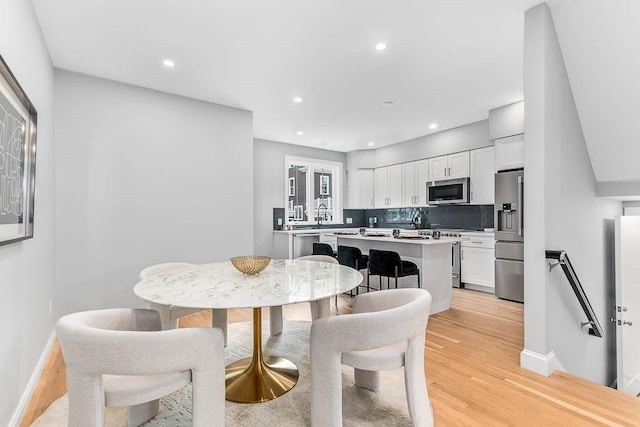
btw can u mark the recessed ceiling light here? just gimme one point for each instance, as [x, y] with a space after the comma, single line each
[299, 133]
[387, 103]
[370, 144]
[297, 99]
[433, 125]
[168, 63]
[381, 46]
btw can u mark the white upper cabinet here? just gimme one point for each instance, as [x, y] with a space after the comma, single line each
[509, 153]
[438, 168]
[388, 186]
[423, 176]
[415, 176]
[482, 172]
[360, 183]
[451, 166]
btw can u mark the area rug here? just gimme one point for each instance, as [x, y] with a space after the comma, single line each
[387, 407]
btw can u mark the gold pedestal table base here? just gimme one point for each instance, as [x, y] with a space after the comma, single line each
[257, 379]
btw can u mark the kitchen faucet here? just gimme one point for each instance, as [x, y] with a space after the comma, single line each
[320, 217]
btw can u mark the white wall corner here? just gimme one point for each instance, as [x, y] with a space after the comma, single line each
[539, 363]
[16, 419]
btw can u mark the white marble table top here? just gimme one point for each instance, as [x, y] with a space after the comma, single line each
[220, 285]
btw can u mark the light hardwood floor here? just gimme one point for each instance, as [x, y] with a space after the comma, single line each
[472, 367]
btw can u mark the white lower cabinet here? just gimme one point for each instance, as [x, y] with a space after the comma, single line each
[477, 263]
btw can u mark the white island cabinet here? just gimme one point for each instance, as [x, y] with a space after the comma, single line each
[433, 258]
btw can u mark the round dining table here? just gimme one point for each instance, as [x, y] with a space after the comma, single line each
[221, 286]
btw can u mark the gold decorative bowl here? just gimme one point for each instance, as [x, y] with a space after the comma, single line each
[251, 264]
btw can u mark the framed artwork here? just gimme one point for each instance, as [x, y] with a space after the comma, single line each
[18, 122]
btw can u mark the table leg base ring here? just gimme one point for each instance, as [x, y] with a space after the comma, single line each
[250, 382]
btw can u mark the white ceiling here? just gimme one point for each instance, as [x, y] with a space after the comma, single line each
[448, 62]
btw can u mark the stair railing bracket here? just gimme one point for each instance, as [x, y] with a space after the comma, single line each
[553, 264]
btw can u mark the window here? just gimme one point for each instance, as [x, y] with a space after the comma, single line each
[313, 189]
[324, 185]
[292, 186]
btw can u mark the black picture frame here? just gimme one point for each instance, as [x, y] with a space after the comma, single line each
[18, 126]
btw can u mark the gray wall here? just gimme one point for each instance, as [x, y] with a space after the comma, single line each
[144, 177]
[562, 212]
[467, 137]
[269, 183]
[27, 267]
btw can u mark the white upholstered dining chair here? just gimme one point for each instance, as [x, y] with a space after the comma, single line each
[386, 331]
[319, 308]
[121, 357]
[169, 314]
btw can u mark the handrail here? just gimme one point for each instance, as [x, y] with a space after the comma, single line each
[563, 260]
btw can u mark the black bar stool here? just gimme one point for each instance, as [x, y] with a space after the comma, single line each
[389, 264]
[351, 256]
[323, 249]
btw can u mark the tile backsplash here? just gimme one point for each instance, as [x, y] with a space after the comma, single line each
[466, 217]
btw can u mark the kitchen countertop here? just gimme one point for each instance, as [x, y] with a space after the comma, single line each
[390, 238]
[315, 230]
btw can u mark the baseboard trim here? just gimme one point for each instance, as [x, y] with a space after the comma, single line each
[543, 364]
[16, 419]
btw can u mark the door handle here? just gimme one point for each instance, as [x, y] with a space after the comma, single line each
[520, 207]
[449, 171]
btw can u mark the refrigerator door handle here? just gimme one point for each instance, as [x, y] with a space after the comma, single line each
[521, 211]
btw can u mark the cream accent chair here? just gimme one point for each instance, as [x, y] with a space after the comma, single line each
[169, 314]
[386, 331]
[319, 308]
[120, 357]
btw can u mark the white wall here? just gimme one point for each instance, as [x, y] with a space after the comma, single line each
[562, 212]
[144, 177]
[269, 184]
[467, 137]
[27, 267]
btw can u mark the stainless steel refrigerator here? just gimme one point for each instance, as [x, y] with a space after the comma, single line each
[509, 232]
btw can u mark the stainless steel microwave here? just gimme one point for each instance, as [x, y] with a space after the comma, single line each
[449, 191]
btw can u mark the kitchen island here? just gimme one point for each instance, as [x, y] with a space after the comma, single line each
[432, 256]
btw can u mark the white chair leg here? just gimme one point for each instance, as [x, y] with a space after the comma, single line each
[326, 389]
[275, 320]
[320, 308]
[420, 410]
[219, 320]
[139, 414]
[367, 379]
[86, 400]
